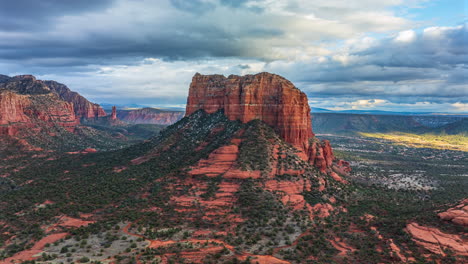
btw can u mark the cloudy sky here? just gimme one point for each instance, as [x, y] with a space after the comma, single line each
[392, 55]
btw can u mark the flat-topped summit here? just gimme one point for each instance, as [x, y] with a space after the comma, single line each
[265, 96]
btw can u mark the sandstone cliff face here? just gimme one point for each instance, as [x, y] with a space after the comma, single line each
[83, 108]
[265, 96]
[150, 116]
[27, 104]
[12, 110]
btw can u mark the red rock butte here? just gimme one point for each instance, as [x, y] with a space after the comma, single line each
[267, 97]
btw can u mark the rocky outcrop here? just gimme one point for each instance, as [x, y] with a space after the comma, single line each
[114, 113]
[267, 97]
[28, 105]
[457, 215]
[264, 96]
[222, 161]
[83, 108]
[150, 116]
[321, 154]
[12, 111]
[437, 241]
[24, 84]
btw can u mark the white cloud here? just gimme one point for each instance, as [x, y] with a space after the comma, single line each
[150, 79]
[361, 51]
[406, 36]
[460, 107]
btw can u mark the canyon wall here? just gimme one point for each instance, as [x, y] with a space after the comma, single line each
[83, 108]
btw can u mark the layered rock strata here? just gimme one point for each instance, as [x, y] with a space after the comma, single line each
[267, 97]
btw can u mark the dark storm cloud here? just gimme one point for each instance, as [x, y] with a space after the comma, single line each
[93, 31]
[25, 15]
[92, 44]
[170, 34]
[435, 48]
[436, 54]
[103, 47]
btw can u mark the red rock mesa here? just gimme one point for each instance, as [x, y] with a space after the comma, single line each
[265, 96]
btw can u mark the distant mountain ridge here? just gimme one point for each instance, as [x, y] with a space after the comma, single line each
[149, 115]
[345, 123]
[382, 112]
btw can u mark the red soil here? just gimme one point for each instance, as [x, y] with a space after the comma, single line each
[217, 209]
[336, 177]
[73, 222]
[29, 254]
[119, 169]
[342, 247]
[90, 150]
[397, 250]
[322, 210]
[67, 222]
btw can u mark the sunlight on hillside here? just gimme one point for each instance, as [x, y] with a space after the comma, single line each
[442, 141]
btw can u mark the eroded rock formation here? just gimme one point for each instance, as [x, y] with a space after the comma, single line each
[437, 241]
[457, 215]
[82, 107]
[114, 113]
[28, 105]
[265, 96]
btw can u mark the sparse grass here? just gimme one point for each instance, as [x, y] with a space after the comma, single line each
[441, 141]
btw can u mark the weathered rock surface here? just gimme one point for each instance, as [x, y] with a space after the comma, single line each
[27, 104]
[321, 154]
[458, 214]
[82, 107]
[12, 110]
[222, 161]
[436, 241]
[264, 96]
[114, 113]
[149, 116]
[267, 97]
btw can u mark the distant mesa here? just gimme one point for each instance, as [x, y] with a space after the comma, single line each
[267, 97]
[149, 115]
